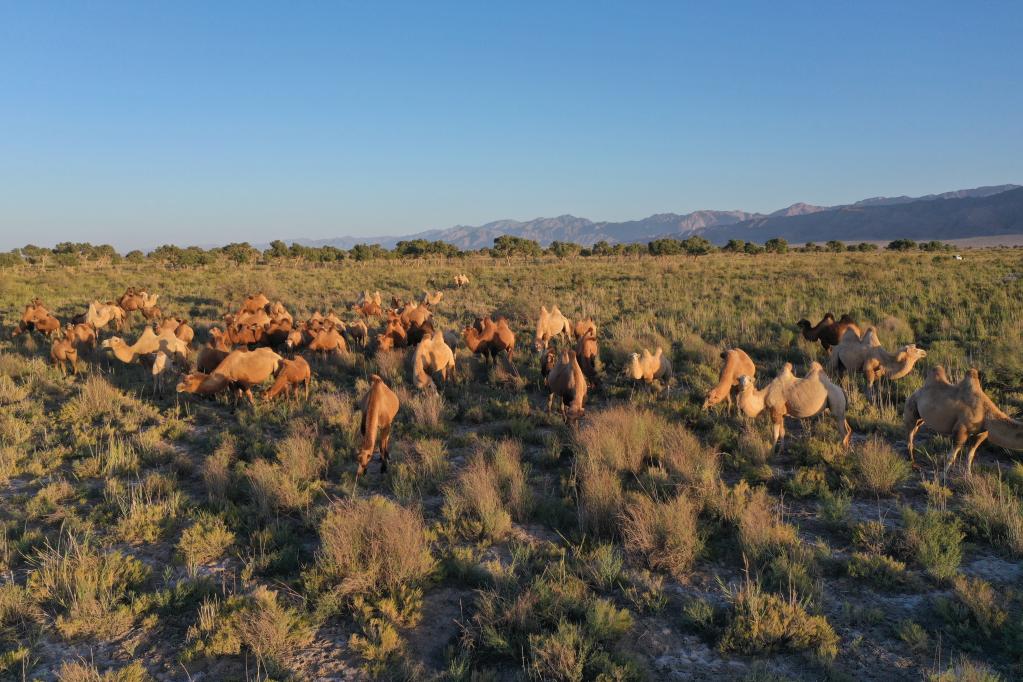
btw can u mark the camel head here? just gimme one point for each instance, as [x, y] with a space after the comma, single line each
[911, 353]
[190, 382]
[745, 383]
[804, 324]
[633, 369]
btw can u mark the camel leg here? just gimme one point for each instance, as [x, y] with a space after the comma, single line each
[912, 436]
[307, 380]
[844, 430]
[961, 435]
[385, 447]
[778, 431]
[248, 394]
[550, 403]
[981, 437]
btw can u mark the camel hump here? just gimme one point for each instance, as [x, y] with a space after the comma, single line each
[375, 379]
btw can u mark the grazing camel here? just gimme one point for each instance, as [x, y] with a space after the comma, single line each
[828, 331]
[788, 395]
[491, 339]
[296, 339]
[359, 333]
[866, 355]
[37, 318]
[241, 370]
[63, 351]
[328, 340]
[648, 367]
[432, 356]
[394, 335]
[379, 406]
[581, 327]
[737, 364]
[549, 325]
[959, 410]
[586, 354]
[566, 381]
[178, 328]
[82, 334]
[291, 374]
[461, 280]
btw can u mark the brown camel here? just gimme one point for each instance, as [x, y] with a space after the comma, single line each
[828, 331]
[291, 375]
[63, 351]
[491, 340]
[581, 327]
[359, 333]
[256, 303]
[737, 364]
[328, 340]
[566, 381]
[82, 334]
[379, 407]
[586, 354]
[241, 370]
[461, 280]
[959, 410]
[789, 396]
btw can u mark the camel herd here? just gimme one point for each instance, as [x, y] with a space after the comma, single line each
[249, 349]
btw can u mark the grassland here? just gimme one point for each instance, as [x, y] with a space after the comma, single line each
[145, 536]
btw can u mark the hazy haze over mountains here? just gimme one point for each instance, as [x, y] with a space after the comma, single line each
[979, 212]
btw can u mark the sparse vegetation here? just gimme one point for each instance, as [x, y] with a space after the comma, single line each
[230, 539]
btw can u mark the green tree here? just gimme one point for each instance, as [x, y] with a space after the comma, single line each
[776, 245]
[835, 246]
[901, 245]
[697, 246]
[508, 245]
[665, 247]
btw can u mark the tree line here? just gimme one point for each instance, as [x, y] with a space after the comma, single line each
[76, 253]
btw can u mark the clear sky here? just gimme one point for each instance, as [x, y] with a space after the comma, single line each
[140, 123]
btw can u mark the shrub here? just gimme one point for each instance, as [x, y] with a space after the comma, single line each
[373, 546]
[622, 439]
[914, 635]
[418, 469]
[601, 497]
[761, 529]
[603, 566]
[256, 622]
[204, 541]
[966, 671]
[82, 671]
[934, 540]
[995, 512]
[490, 492]
[974, 611]
[664, 533]
[878, 569]
[760, 622]
[559, 655]
[878, 468]
[91, 589]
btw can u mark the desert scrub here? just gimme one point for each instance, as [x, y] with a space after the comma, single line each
[290, 483]
[934, 540]
[204, 541]
[146, 510]
[84, 671]
[974, 612]
[760, 622]
[752, 452]
[491, 490]
[877, 468]
[90, 590]
[257, 622]
[665, 534]
[965, 670]
[418, 469]
[762, 530]
[994, 512]
[371, 547]
[879, 570]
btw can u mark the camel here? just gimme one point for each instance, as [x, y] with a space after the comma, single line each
[566, 381]
[63, 351]
[547, 362]
[874, 361]
[828, 331]
[461, 280]
[157, 363]
[432, 356]
[648, 367]
[491, 340]
[788, 395]
[245, 335]
[291, 374]
[209, 357]
[279, 313]
[48, 326]
[241, 370]
[959, 410]
[36, 318]
[369, 309]
[581, 327]
[179, 328]
[296, 339]
[737, 364]
[153, 313]
[395, 335]
[379, 406]
[148, 300]
[255, 303]
[586, 354]
[366, 297]
[328, 340]
[82, 334]
[359, 332]
[432, 299]
[149, 342]
[549, 325]
[100, 315]
[131, 300]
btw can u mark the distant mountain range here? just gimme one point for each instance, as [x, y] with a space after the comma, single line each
[968, 213]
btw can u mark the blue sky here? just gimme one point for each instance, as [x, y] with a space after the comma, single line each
[139, 123]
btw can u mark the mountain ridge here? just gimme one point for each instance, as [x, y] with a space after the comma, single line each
[957, 214]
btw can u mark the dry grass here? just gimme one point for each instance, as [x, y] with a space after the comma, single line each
[665, 534]
[878, 468]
